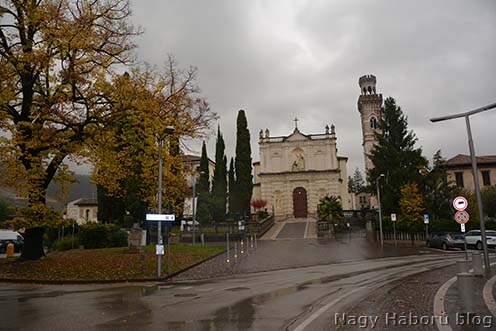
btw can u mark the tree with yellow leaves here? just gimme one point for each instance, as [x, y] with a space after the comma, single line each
[125, 154]
[55, 57]
[411, 208]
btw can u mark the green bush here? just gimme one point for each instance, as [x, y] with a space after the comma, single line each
[119, 238]
[262, 214]
[65, 243]
[98, 235]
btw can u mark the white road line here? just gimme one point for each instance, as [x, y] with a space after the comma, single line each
[185, 288]
[487, 293]
[322, 310]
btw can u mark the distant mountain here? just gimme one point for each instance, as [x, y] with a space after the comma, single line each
[82, 188]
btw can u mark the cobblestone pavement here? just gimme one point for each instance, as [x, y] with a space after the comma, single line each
[404, 300]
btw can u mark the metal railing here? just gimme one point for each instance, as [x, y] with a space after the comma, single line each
[259, 227]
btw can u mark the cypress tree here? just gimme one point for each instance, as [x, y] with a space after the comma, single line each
[203, 189]
[219, 184]
[244, 177]
[232, 188]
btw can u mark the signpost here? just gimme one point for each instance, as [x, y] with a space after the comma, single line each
[426, 222]
[462, 217]
[159, 248]
[393, 219]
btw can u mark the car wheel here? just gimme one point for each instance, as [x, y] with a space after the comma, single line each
[445, 247]
[479, 245]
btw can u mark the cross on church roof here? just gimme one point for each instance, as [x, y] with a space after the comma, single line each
[296, 122]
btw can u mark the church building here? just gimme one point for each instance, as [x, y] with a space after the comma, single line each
[296, 171]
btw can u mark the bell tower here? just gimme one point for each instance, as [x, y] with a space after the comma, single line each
[370, 108]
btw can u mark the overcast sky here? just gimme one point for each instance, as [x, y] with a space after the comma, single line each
[279, 59]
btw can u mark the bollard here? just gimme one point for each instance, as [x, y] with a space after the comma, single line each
[465, 283]
[461, 266]
[10, 250]
[477, 264]
[235, 251]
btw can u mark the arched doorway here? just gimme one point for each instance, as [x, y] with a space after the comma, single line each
[300, 202]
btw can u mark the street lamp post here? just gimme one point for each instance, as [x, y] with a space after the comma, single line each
[167, 131]
[379, 206]
[466, 115]
[194, 208]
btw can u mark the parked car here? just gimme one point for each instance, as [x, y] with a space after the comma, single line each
[474, 239]
[7, 237]
[446, 240]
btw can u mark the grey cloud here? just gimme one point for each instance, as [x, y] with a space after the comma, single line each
[281, 59]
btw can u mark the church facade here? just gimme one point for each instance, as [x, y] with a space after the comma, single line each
[296, 171]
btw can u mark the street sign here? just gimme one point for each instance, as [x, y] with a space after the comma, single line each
[159, 249]
[393, 217]
[462, 227]
[426, 218]
[460, 203]
[160, 217]
[462, 217]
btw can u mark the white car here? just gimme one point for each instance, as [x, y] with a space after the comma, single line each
[7, 237]
[474, 238]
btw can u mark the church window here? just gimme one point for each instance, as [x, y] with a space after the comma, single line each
[373, 123]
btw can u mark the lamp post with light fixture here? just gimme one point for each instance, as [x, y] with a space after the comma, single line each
[466, 115]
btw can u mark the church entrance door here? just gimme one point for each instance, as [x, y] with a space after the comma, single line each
[300, 202]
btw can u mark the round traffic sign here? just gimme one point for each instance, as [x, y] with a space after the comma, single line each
[462, 217]
[460, 203]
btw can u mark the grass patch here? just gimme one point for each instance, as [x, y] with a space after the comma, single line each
[104, 264]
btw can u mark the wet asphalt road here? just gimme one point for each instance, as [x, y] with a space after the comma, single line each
[299, 298]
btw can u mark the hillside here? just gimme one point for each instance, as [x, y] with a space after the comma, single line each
[82, 188]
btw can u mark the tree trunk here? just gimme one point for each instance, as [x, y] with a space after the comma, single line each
[33, 244]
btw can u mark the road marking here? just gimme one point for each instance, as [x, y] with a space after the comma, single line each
[185, 288]
[165, 286]
[323, 309]
[488, 295]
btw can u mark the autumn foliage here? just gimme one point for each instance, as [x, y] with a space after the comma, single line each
[61, 98]
[411, 207]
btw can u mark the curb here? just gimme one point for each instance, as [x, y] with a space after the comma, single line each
[106, 281]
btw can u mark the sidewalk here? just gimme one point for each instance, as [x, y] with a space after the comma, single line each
[408, 304]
